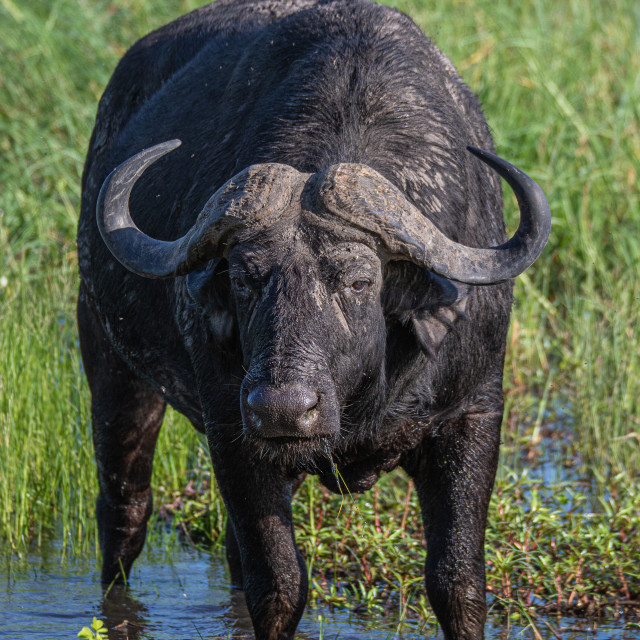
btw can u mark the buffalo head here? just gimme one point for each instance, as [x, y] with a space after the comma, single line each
[297, 264]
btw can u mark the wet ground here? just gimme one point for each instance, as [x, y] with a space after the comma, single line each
[183, 595]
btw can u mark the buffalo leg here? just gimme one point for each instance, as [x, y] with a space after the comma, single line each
[126, 417]
[274, 575]
[454, 478]
[231, 543]
[233, 555]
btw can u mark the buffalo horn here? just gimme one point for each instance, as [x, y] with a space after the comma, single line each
[254, 197]
[362, 197]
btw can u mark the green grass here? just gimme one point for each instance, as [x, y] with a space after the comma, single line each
[560, 85]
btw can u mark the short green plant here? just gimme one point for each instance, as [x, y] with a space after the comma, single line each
[97, 631]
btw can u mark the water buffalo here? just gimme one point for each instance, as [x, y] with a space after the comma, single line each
[319, 276]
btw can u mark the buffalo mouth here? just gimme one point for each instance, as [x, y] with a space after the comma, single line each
[309, 454]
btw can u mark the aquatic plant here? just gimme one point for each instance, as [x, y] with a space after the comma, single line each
[97, 631]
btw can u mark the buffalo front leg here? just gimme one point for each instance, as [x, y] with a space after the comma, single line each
[274, 574]
[454, 478]
[126, 418]
[233, 555]
[231, 544]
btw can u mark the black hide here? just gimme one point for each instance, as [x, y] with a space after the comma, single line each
[303, 345]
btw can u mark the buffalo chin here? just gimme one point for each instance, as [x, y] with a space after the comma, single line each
[301, 454]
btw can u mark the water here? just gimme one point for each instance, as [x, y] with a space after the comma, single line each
[177, 595]
[184, 594]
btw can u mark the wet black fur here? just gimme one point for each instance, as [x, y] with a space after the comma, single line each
[417, 379]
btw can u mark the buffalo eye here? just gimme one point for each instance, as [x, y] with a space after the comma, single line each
[359, 286]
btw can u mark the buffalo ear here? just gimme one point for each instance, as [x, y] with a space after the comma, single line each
[209, 290]
[428, 303]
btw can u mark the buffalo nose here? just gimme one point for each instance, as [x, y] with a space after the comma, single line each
[290, 411]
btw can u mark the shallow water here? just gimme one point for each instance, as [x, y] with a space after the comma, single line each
[184, 594]
[177, 595]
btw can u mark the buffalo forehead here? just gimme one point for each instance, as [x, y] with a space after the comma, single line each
[304, 243]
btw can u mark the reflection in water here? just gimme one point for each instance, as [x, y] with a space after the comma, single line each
[123, 612]
[177, 595]
[238, 615]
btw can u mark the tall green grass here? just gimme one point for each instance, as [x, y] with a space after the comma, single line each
[560, 86]
[56, 58]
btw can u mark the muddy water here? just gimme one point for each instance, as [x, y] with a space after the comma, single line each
[180, 595]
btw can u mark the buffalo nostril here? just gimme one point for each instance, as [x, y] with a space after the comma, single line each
[256, 419]
[309, 401]
[309, 418]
